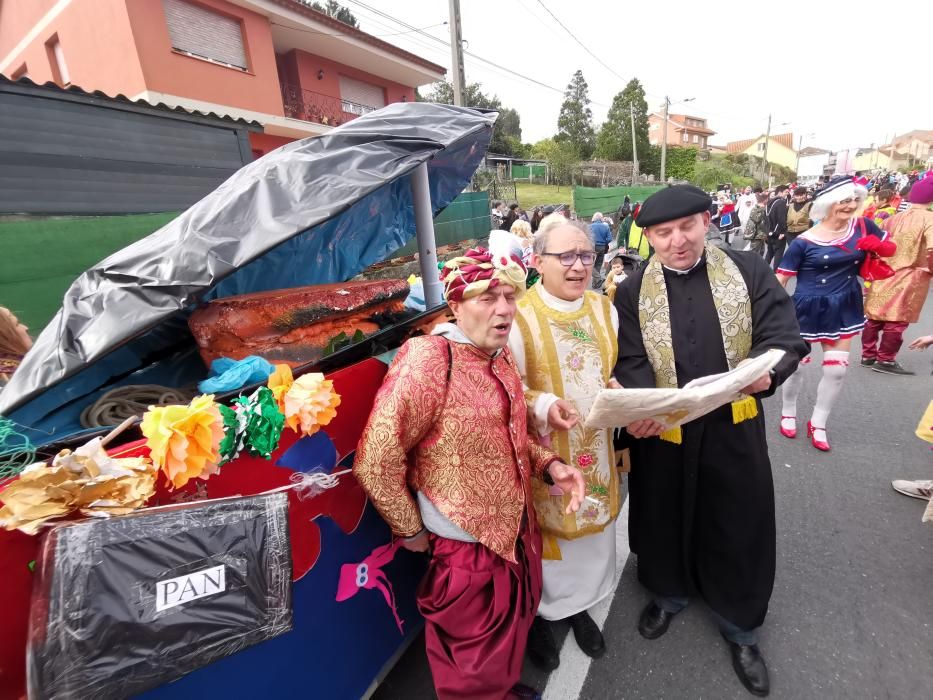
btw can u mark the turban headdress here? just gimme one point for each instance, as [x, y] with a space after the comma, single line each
[479, 269]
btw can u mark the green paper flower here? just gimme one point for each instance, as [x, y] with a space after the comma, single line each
[232, 443]
[264, 422]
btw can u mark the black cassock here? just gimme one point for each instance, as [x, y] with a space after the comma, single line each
[701, 514]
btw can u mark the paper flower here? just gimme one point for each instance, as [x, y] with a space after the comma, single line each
[280, 381]
[234, 437]
[184, 441]
[310, 403]
[261, 422]
[87, 480]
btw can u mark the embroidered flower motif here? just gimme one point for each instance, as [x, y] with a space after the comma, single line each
[590, 513]
[585, 460]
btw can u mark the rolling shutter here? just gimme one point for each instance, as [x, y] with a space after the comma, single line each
[357, 96]
[200, 32]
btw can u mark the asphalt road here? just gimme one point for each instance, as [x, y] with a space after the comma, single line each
[852, 611]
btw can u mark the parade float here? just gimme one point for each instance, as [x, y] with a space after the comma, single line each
[220, 545]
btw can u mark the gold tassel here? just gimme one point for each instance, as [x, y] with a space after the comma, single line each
[673, 435]
[744, 409]
[549, 547]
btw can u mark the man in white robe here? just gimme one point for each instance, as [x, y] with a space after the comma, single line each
[564, 341]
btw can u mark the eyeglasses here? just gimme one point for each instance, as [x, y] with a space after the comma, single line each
[568, 259]
[847, 201]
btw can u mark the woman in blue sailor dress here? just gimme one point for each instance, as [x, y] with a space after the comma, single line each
[826, 261]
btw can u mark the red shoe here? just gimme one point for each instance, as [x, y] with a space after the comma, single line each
[822, 445]
[789, 432]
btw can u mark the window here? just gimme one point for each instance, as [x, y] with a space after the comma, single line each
[761, 147]
[703, 142]
[359, 97]
[197, 31]
[696, 139]
[686, 137]
[53, 48]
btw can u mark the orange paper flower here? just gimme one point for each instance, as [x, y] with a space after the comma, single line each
[310, 403]
[184, 441]
[280, 381]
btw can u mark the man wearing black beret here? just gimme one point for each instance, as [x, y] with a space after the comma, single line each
[701, 517]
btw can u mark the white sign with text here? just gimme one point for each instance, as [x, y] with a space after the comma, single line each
[183, 589]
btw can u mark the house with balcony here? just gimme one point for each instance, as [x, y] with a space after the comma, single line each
[682, 130]
[294, 70]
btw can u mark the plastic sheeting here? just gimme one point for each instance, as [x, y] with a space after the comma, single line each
[315, 211]
[125, 604]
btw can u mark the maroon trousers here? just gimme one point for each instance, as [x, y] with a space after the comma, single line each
[891, 334]
[478, 609]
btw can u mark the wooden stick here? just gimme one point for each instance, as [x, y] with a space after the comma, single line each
[119, 429]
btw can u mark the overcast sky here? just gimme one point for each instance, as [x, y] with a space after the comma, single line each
[846, 74]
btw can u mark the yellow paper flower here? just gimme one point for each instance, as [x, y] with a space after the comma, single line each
[184, 441]
[280, 381]
[310, 403]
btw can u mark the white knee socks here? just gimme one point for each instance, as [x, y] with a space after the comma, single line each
[835, 364]
[789, 392]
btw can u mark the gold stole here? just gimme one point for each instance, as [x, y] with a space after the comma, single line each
[733, 307]
[540, 325]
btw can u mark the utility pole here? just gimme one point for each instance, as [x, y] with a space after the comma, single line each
[667, 104]
[764, 163]
[631, 109]
[456, 54]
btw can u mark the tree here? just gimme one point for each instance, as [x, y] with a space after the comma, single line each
[575, 123]
[615, 136]
[561, 157]
[335, 10]
[507, 132]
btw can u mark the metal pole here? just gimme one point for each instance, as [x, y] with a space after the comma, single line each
[667, 103]
[631, 109]
[424, 231]
[456, 53]
[764, 164]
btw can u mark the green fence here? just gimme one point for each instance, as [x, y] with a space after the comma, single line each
[465, 218]
[43, 256]
[525, 172]
[589, 200]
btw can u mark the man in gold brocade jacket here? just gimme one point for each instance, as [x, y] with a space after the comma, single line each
[446, 459]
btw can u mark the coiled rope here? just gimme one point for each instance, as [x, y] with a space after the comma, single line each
[133, 400]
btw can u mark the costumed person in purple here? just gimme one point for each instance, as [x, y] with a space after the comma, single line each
[446, 460]
[826, 261]
[701, 517]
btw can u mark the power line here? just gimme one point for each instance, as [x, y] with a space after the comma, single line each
[468, 53]
[582, 45]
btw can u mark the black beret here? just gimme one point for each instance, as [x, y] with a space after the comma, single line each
[672, 203]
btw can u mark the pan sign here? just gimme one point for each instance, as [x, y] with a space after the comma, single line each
[183, 589]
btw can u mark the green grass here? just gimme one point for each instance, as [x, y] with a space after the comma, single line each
[530, 196]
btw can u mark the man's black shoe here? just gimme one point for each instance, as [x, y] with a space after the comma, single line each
[542, 646]
[892, 368]
[589, 638]
[520, 691]
[654, 621]
[868, 362]
[750, 667]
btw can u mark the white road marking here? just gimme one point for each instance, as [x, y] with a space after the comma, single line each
[566, 682]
